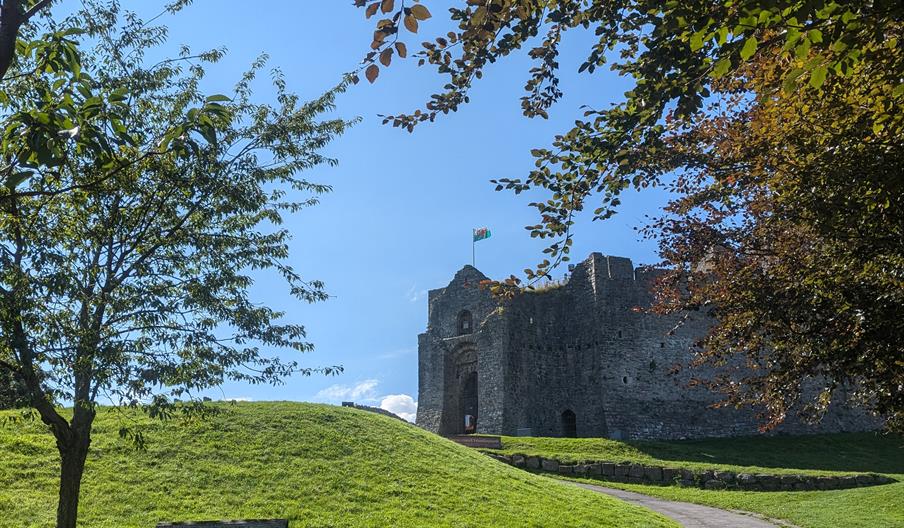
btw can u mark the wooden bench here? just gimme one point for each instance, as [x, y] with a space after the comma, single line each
[271, 523]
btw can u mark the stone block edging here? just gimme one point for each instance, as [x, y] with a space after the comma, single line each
[633, 473]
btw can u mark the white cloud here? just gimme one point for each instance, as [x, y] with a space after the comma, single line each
[365, 392]
[362, 391]
[401, 404]
[239, 399]
[414, 294]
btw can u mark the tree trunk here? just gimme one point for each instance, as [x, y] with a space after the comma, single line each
[72, 465]
[10, 20]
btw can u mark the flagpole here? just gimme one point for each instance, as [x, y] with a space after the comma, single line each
[473, 250]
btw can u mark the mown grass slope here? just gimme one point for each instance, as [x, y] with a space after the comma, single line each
[872, 507]
[845, 453]
[320, 466]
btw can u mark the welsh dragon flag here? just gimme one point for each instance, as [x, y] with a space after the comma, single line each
[481, 233]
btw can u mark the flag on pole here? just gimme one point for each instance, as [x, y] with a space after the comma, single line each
[481, 234]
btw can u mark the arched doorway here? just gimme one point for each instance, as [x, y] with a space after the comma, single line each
[459, 388]
[569, 424]
[469, 403]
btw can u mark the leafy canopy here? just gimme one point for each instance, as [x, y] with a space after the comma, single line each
[672, 50]
[135, 214]
[127, 250]
[778, 126]
[787, 227]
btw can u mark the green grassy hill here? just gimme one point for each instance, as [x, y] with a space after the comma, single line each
[319, 466]
[872, 507]
[845, 453]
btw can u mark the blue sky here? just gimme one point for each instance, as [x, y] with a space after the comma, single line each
[399, 219]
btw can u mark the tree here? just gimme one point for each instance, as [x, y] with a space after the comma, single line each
[13, 15]
[33, 43]
[777, 64]
[128, 245]
[788, 228]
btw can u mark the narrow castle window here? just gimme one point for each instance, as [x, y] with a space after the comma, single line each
[619, 333]
[465, 323]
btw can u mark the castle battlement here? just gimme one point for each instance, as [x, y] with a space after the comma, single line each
[574, 360]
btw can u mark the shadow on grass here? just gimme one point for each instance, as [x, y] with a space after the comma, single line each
[855, 452]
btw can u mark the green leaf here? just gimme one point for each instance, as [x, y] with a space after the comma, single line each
[696, 41]
[721, 67]
[118, 96]
[723, 35]
[838, 46]
[749, 48]
[818, 76]
[790, 82]
[791, 37]
[209, 133]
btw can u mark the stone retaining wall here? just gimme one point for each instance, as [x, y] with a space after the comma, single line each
[632, 473]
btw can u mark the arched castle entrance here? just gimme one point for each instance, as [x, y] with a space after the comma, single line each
[461, 389]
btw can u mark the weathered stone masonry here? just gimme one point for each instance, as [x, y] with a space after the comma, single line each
[576, 360]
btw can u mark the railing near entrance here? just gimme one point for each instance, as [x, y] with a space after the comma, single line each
[477, 442]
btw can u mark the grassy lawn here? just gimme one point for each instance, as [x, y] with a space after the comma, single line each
[319, 466]
[813, 454]
[873, 507]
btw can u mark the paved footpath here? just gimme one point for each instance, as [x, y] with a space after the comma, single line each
[687, 514]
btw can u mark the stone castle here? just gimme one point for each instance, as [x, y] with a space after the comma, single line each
[573, 360]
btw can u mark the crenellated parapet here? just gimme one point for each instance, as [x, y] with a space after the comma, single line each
[578, 358]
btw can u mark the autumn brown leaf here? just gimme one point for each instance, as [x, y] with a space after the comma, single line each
[372, 72]
[420, 12]
[401, 49]
[371, 10]
[411, 23]
[387, 5]
[386, 57]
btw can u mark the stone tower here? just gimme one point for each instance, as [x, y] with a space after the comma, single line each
[572, 360]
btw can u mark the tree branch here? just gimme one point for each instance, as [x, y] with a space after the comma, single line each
[11, 19]
[35, 9]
